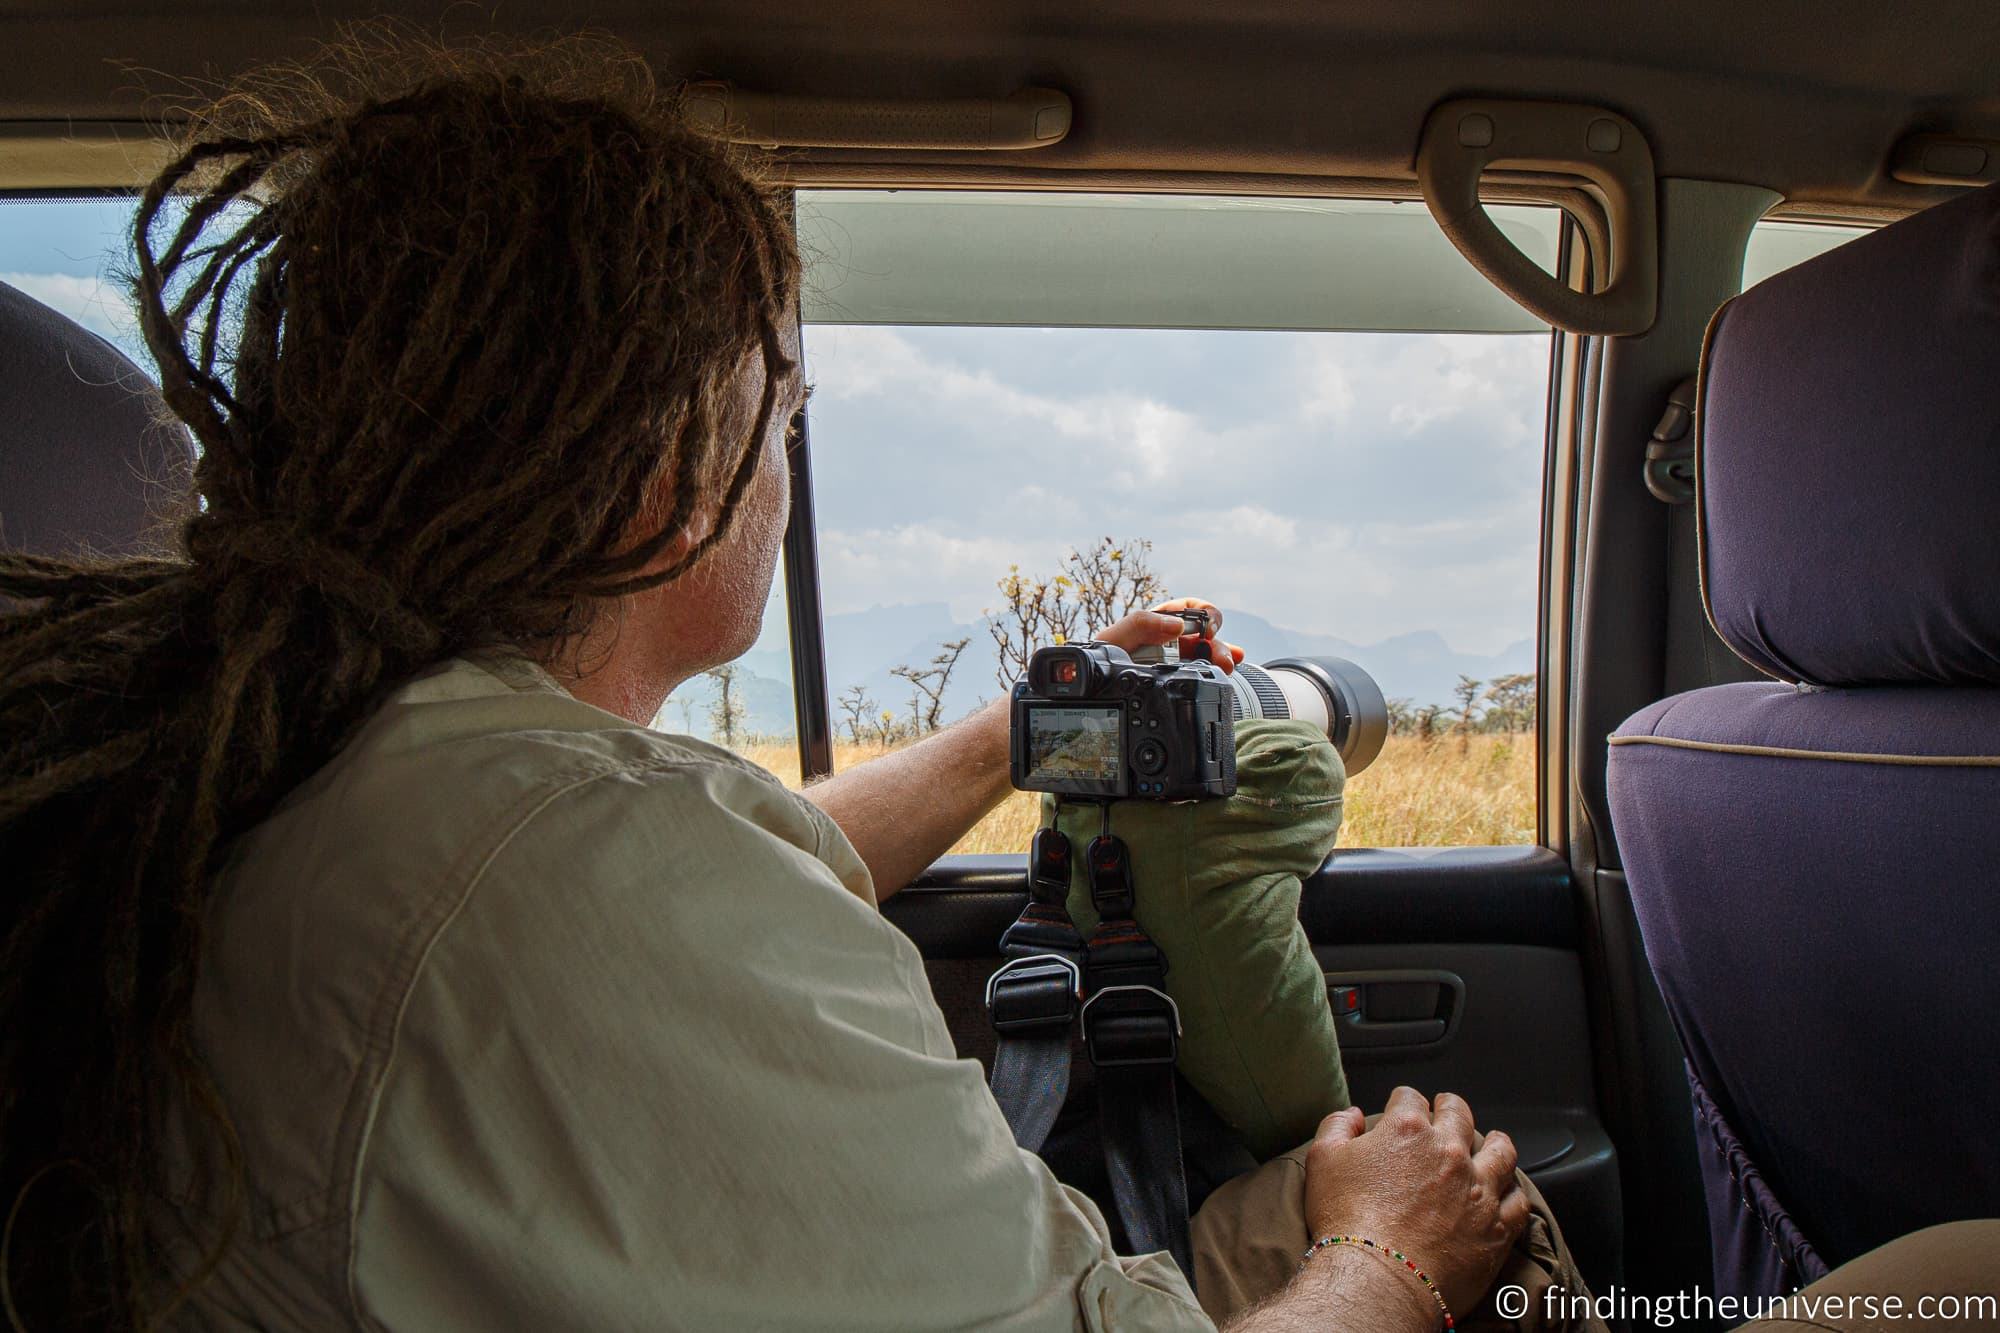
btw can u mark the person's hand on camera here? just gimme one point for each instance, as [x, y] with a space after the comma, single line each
[1423, 1180]
[1163, 625]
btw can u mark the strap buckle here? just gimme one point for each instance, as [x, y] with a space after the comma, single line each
[1034, 993]
[1133, 1025]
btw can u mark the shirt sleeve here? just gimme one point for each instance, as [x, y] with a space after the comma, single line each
[662, 1069]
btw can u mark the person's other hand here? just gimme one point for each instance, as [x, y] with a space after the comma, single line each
[1146, 629]
[1421, 1180]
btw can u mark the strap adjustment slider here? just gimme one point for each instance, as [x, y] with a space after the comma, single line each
[1033, 994]
[1131, 1025]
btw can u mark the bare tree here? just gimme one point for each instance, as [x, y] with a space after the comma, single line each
[683, 700]
[1033, 612]
[928, 683]
[727, 710]
[857, 706]
[1111, 579]
[1093, 586]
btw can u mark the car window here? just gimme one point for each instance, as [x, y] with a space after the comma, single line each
[746, 705]
[1777, 246]
[71, 253]
[1312, 412]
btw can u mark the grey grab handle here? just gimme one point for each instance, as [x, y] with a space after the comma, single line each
[1360, 1033]
[1468, 136]
[1030, 118]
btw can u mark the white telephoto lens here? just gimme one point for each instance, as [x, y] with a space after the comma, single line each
[1331, 693]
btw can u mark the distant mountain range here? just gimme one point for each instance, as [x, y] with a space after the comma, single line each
[862, 646]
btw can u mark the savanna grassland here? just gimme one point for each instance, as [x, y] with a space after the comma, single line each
[1449, 791]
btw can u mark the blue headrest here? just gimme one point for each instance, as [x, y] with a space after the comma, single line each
[89, 460]
[1848, 458]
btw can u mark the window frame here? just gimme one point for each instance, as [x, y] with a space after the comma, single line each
[1571, 361]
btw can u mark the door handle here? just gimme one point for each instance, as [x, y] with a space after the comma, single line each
[1392, 1010]
[1357, 1031]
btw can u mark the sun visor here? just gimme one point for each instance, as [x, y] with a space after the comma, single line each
[962, 257]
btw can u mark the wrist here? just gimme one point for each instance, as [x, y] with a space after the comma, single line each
[1371, 1292]
[991, 725]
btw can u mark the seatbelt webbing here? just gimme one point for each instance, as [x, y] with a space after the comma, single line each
[1131, 1031]
[1694, 656]
[1034, 998]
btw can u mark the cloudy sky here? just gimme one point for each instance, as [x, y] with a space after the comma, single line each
[1356, 484]
[62, 253]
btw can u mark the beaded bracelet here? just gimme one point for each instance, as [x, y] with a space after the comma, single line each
[1326, 1242]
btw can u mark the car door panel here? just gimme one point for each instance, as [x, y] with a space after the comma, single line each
[1487, 936]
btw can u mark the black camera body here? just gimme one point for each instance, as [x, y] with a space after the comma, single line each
[1089, 722]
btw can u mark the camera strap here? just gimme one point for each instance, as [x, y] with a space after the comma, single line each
[1131, 1031]
[1035, 997]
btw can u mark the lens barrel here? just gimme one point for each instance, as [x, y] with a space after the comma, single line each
[1329, 692]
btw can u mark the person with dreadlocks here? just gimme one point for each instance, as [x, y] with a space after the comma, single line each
[365, 961]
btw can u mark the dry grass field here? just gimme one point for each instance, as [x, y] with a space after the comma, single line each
[1449, 792]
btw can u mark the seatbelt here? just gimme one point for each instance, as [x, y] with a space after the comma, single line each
[1695, 657]
[1033, 999]
[1132, 1031]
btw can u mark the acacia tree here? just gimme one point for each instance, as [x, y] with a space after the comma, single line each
[1466, 694]
[857, 706]
[727, 710]
[927, 686]
[1402, 717]
[1511, 702]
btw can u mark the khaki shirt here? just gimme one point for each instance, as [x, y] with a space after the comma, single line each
[531, 1018]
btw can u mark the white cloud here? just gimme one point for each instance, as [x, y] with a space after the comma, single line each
[1254, 525]
[98, 305]
[1445, 377]
[1326, 392]
[1153, 440]
[916, 562]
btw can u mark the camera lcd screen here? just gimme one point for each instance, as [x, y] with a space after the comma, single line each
[1074, 749]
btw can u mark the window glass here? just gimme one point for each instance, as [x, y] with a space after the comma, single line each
[1776, 246]
[71, 253]
[746, 705]
[1313, 413]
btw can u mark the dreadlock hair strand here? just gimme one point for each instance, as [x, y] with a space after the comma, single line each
[462, 333]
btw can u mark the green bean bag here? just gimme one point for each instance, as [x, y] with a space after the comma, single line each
[1217, 885]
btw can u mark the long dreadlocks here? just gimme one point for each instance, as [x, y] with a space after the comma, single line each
[447, 324]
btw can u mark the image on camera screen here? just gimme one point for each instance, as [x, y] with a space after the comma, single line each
[1073, 745]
